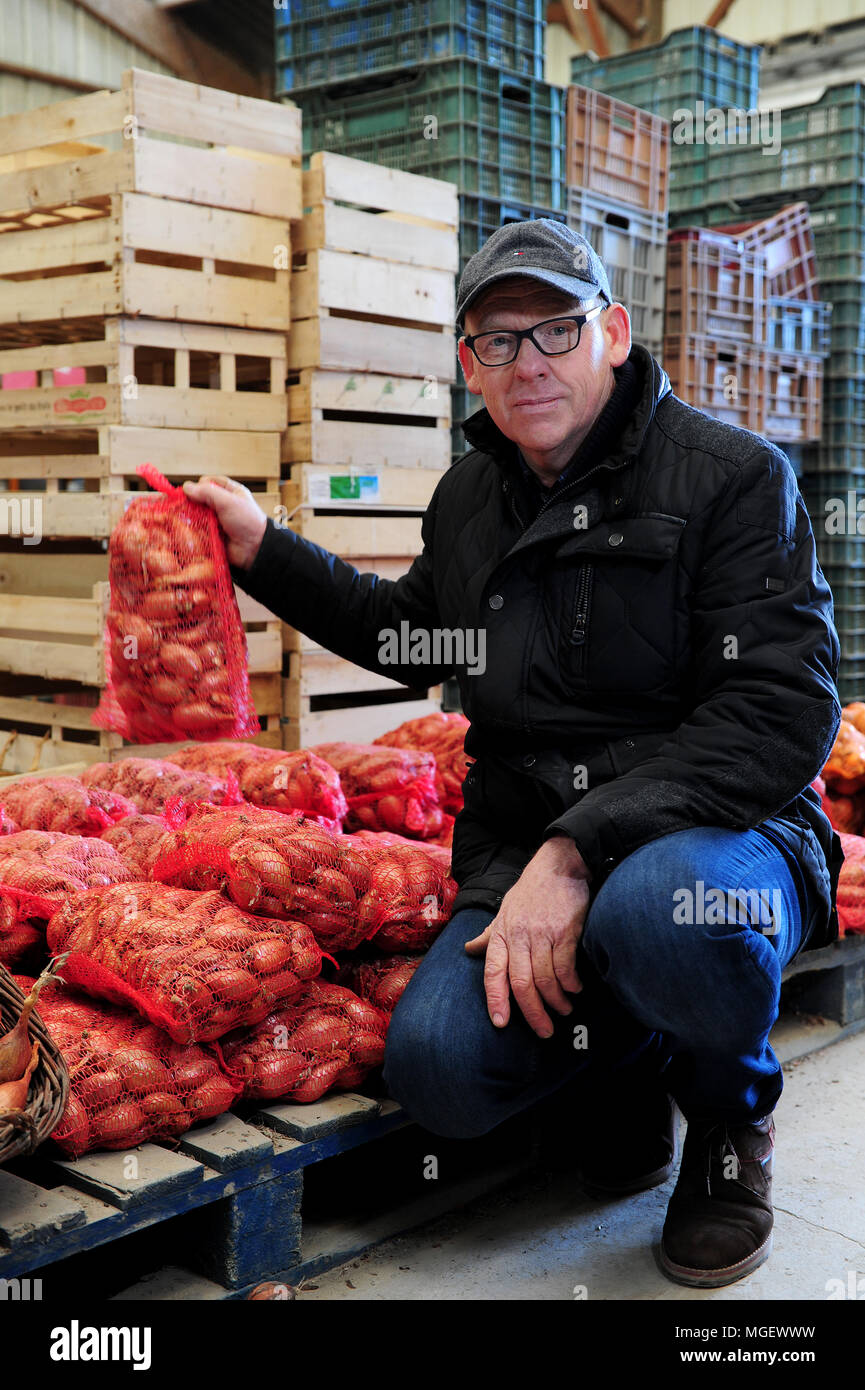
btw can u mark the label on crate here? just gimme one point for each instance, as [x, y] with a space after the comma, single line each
[341, 487]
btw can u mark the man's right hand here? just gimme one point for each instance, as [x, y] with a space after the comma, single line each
[237, 512]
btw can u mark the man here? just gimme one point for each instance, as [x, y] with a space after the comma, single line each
[640, 852]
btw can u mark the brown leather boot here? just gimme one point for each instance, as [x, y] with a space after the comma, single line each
[719, 1221]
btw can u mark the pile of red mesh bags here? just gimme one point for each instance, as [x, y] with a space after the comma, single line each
[274, 780]
[386, 788]
[137, 839]
[190, 962]
[175, 648]
[63, 803]
[8, 826]
[381, 982]
[443, 735]
[328, 1037]
[851, 884]
[843, 778]
[39, 870]
[128, 1081]
[149, 782]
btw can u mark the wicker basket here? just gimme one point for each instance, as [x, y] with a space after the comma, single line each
[49, 1085]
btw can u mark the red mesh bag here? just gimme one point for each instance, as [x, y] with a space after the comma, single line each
[845, 813]
[379, 982]
[39, 870]
[128, 1081]
[149, 782]
[285, 866]
[386, 839]
[274, 780]
[445, 837]
[328, 1037]
[189, 962]
[386, 788]
[64, 804]
[175, 649]
[137, 839]
[850, 898]
[8, 826]
[444, 736]
[844, 771]
[278, 865]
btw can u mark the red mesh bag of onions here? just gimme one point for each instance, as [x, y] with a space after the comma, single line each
[328, 1037]
[443, 735]
[274, 780]
[8, 826]
[175, 649]
[190, 962]
[64, 804]
[850, 898]
[386, 788]
[137, 839]
[128, 1081]
[286, 866]
[379, 982]
[39, 869]
[149, 783]
[439, 854]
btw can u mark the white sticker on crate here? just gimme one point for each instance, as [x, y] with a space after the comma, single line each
[344, 487]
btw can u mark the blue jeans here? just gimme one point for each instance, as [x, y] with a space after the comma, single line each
[661, 980]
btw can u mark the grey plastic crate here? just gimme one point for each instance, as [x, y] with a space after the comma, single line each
[632, 244]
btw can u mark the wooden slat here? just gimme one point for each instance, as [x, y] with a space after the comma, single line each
[171, 293]
[360, 724]
[348, 180]
[403, 447]
[390, 239]
[191, 453]
[196, 337]
[54, 185]
[61, 297]
[335, 280]
[323, 673]
[75, 119]
[72, 243]
[410, 487]
[265, 184]
[188, 229]
[356, 345]
[188, 110]
[75, 616]
[357, 535]
[367, 391]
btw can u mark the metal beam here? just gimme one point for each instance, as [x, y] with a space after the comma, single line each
[581, 21]
[628, 14]
[166, 38]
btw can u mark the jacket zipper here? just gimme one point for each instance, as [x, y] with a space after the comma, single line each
[581, 615]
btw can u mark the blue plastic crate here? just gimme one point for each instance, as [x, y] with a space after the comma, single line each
[317, 44]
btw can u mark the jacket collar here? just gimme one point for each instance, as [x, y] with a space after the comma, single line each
[482, 433]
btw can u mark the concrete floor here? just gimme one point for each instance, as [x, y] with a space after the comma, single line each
[539, 1238]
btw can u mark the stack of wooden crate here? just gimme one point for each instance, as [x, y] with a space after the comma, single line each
[371, 359]
[144, 305]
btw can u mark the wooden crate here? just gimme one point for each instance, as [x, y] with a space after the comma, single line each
[150, 375]
[316, 719]
[368, 420]
[393, 312]
[135, 254]
[166, 138]
[355, 532]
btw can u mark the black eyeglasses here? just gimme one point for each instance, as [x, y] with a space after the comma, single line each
[554, 337]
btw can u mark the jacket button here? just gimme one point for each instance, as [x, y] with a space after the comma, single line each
[505, 485]
[609, 863]
[629, 743]
[615, 539]
[617, 501]
[496, 601]
[529, 760]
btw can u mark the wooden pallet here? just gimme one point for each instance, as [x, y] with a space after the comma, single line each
[174, 140]
[365, 420]
[234, 1202]
[135, 255]
[372, 286]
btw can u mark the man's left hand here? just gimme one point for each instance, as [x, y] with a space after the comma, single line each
[531, 944]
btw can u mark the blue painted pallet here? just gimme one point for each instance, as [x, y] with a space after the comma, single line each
[243, 1177]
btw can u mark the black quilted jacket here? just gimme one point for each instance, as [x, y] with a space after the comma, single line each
[660, 646]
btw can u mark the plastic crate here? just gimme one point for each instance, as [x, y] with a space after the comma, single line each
[821, 146]
[632, 244]
[480, 217]
[791, 259]
[723, 379]
[614, 149]
[792, 391]
[465, 122]
[714, 287]
[797, 325]
[690, 64]
[319, 42]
